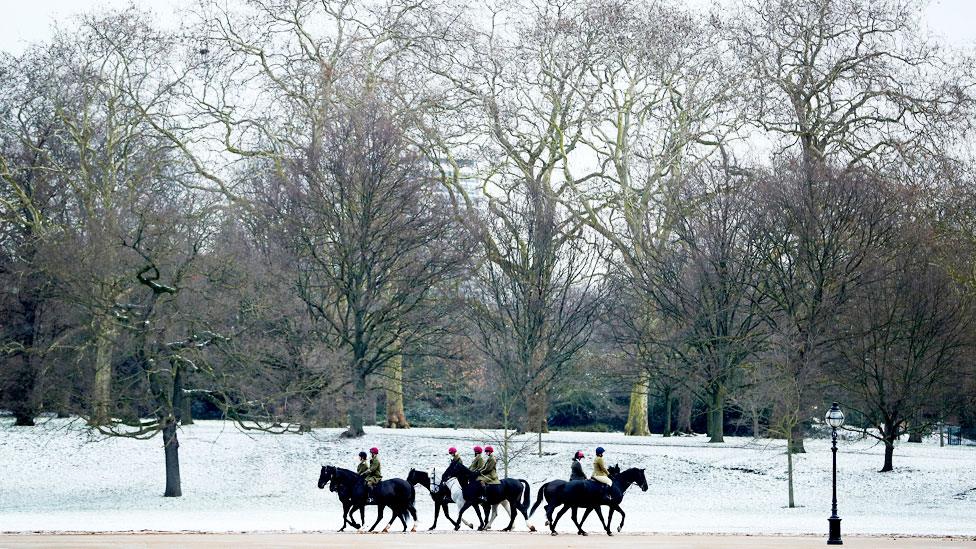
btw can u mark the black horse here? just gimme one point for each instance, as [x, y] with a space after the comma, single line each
[439, 493]
[510, 490]
[397, 494]
[589, 495]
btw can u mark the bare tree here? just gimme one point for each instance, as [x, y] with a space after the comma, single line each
[704, 284]
[858, 83]
[373, 242]
[906, 336]
[818, 238]
[535, 314]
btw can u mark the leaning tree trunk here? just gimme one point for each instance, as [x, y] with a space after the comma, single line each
[171, 447]
[102, 387]
[357, 408]
[537, 410]
[395, 416]
[637, 424]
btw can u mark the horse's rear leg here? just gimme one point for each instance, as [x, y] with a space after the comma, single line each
[511, 506]
[379, 516]
[606, 525]
[394, 513]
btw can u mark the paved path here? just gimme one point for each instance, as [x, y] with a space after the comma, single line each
[463, 540]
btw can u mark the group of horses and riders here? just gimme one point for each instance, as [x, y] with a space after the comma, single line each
[477, 485]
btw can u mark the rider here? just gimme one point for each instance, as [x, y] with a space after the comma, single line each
[372, 475]
[478, 463]
[489, 474]
[577, 469]
[362, 467]
[452, 451]
[600, 472]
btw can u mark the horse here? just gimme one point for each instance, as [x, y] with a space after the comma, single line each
[442, 494]
[395, 493]
[508, 491]
[589, 495]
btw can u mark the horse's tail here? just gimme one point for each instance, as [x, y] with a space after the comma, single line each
[538, 498]
[526, 496]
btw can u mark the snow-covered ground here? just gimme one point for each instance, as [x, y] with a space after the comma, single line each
[59, 477]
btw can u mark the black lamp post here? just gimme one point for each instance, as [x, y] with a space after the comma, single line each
[834, 418]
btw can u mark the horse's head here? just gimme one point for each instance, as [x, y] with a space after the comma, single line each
[640, 479]
[419, 477]
[327, 474]
[614, 470]
[457, 470]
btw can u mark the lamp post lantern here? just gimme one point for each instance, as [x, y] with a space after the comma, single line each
[834, 418]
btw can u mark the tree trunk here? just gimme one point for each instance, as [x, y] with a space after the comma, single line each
[395, 416]
[637, 424]
[789, 476]
[889, 454]
[357, 409]
[667, 412]
[716, 415]
[23, 390]
[102, 387]
[685, 403]
[537, 410]
[171, 446]
[795, 440]
[755, 421]
[23, 393]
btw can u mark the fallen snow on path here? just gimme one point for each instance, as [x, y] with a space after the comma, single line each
[60, 477]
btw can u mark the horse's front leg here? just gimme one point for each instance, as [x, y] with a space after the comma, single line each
[457, 525]
[622, 516]
[437, 512]
[345, 512]
[552, 524]
[379, 516]
[579, 525]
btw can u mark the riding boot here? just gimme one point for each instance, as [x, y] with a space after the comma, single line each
[369, 495]
[483, 493]
[607, 495]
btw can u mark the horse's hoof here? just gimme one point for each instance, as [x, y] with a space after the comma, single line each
[619, 528]
[609, 533]
[583, 534]
[531, 528]
[554, 534]
[414, 529]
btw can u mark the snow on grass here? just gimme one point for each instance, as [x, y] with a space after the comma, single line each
[59, 476]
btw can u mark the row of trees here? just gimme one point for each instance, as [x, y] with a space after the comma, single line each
[286, 206]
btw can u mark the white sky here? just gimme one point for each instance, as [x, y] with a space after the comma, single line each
[23, 22]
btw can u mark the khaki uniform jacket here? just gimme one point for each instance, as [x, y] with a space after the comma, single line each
[477, 464]
[455, 457]
[600, 467]
[488, 473]
[362, 468]
[374, 475]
